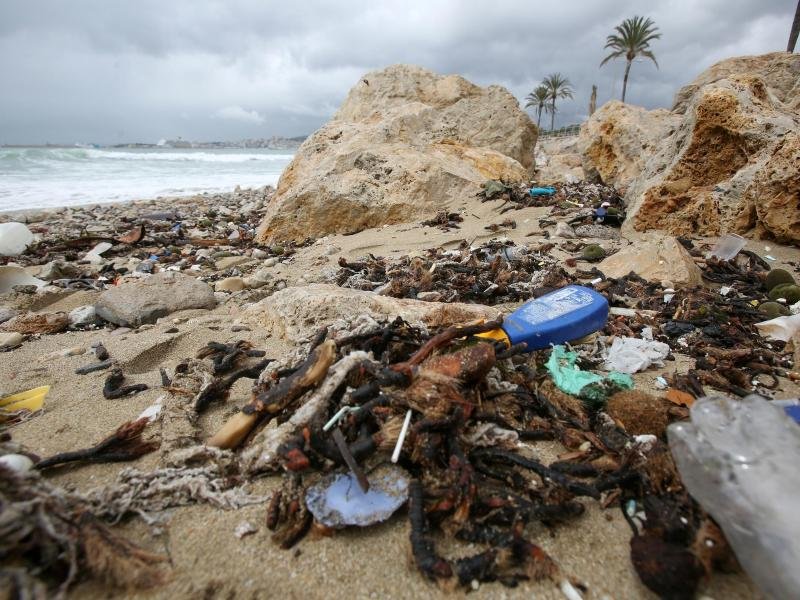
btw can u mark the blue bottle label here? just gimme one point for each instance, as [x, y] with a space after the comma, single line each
[555, 305]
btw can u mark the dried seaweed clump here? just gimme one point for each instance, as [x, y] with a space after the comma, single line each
[51, 539]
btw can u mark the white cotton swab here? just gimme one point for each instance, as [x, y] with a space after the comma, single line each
[402, 437]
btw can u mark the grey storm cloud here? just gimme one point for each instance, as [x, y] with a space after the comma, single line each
[106, 71]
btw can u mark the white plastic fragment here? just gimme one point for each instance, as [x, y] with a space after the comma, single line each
[245, 528]
[93, 255]
[401, 438]
[14, 238]
[781, 328]
[631, 355]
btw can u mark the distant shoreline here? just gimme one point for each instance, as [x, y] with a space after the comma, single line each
[17, 212]
[272, 143]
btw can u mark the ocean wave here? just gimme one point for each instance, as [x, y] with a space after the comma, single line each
[39, 155]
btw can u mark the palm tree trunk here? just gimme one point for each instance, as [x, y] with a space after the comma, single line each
[795, 29]
[553, 115]
[625, 80]
[539, 117]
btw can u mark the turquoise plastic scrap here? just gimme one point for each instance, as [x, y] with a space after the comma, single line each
[542, 191]
[588, 386]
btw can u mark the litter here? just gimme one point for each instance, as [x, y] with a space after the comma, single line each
[738, 458]
[631, 355]
[780, 328]
[586, 385]
[728, 247]
[542, 191]
[338, 501]
[14, 238]
[30, 400]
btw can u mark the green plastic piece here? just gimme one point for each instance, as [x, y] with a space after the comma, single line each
[492, 188]
[590, 387]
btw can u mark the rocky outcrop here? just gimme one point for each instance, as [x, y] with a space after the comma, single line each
[780, 72]
[558, 161]
[726, 162]
[297, 313]
[405, 143]
[617, 139]
[145, 301]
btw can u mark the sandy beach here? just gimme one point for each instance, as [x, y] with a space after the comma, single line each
[206, 558]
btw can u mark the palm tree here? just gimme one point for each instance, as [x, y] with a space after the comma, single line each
[795, 29]
[557, 87]
[538, 99]
[632, 39]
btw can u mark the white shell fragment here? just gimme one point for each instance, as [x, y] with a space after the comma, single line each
[16, 462]
[337, 500]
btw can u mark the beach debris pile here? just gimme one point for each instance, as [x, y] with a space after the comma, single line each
[560, 196]
[493, 273]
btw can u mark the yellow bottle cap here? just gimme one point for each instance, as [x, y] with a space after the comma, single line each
[496, 334]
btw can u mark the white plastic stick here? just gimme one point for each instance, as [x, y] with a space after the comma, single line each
[401, 438]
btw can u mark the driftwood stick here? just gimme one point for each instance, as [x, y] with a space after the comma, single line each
[310, 373]
[264, 454]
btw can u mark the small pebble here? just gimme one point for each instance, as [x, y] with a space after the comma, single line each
[11, 340]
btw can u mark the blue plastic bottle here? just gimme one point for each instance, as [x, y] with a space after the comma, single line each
[561, 316]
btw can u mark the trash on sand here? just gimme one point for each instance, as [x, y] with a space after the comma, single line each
[566, 314]
[94, 255]
[31, 400]
[631, 355]
[728, 247]
[337, 500]
[586, 385]
[542, 191]
[791, 407]
[14, 238]
[11, 276]
[781, 328]
[738, 458]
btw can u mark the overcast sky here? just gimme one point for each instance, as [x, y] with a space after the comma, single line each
[111, 71]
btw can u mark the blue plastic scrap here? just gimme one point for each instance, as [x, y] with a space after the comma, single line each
[542, 191]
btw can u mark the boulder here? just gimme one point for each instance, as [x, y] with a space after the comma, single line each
[558, 161]
[780, 72]
[297, 313]
[617, 139]
[726, 163]
[144, 301]
[405, 144]
[654, 258]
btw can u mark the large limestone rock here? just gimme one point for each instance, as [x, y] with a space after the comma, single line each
[145, 301]
[780, 72]
[727, 162]
[296, 313]
[558, 161]
[405, 143]
[618, 138]
[654, 258]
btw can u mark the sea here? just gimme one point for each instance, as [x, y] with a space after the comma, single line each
[45, 177]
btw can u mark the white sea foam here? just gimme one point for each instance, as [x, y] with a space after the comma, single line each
[49, 177]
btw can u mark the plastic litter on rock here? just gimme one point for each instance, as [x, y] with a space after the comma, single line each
[631, 355]
[781, 328]
[728, 247]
